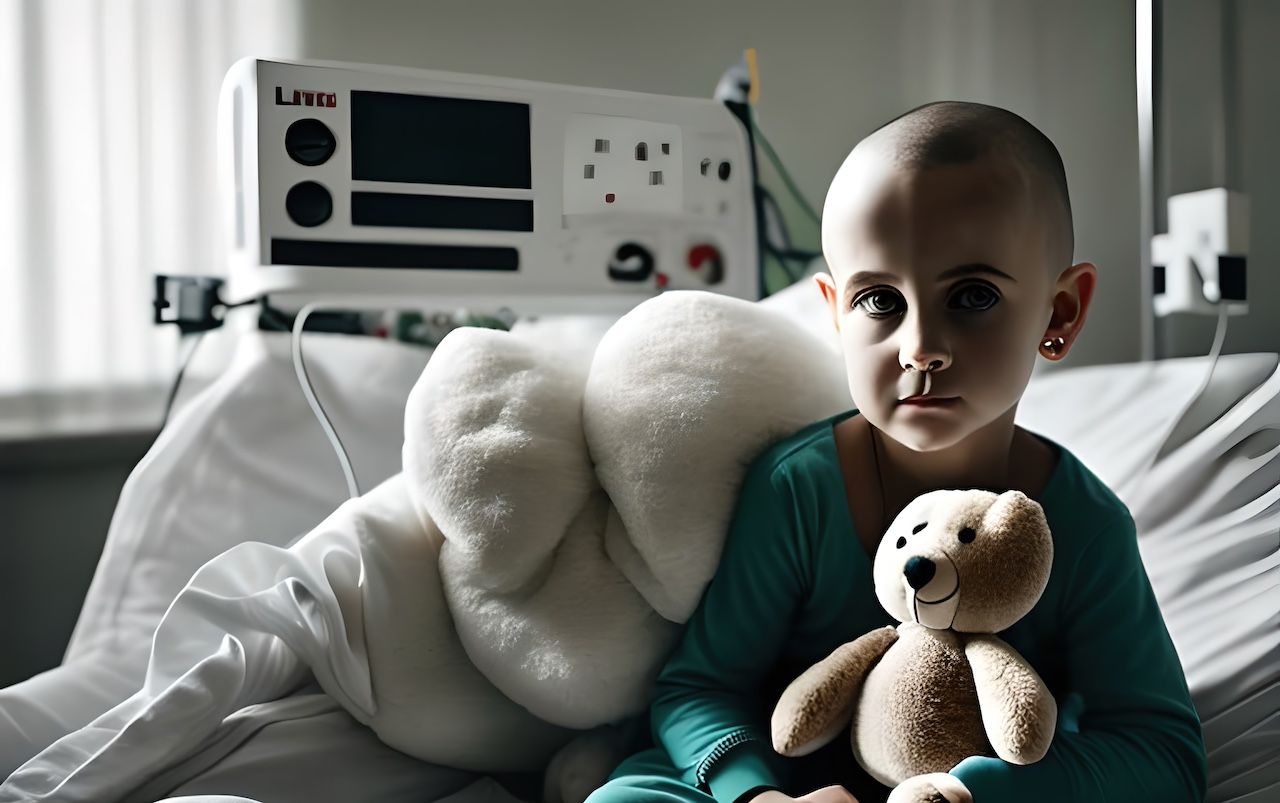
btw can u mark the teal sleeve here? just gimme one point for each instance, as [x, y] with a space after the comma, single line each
[1136, 735]
[706, 710]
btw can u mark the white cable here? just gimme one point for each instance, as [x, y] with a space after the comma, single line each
[1219, 335]
[300, 368]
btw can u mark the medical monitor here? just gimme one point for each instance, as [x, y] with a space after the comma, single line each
[345, 181]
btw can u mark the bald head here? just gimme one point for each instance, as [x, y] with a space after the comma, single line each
[949, 133]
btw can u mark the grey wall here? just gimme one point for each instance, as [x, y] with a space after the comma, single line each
[830, 73]
[1219, 125]
[57, 496]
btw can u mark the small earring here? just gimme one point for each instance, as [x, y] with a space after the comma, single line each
[1052, 348]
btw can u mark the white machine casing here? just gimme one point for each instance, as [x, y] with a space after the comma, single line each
[346, 181]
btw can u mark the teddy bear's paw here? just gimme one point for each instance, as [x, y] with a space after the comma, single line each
[934, 787]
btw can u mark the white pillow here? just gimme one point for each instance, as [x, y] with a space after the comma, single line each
[245, 459]
[556, 481]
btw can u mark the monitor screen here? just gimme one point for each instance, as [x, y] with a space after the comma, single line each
[425, 139]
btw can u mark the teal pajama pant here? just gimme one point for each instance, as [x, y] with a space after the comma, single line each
[650, 777]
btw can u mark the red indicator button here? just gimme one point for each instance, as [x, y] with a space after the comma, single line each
[608, 197]
[701, 253]
[708, 261]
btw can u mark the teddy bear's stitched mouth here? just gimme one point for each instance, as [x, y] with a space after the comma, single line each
[927, 613]
[954, 591]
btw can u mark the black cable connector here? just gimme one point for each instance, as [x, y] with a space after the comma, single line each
[188, 302]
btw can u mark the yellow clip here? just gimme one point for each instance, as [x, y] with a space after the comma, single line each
[753, 95]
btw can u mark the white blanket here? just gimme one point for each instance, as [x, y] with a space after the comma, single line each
[357, 603]
[582, 513]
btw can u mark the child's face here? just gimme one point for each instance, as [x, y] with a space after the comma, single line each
[980, 328]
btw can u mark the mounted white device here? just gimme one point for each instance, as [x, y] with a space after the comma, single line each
[1200, 264]
[356, 181]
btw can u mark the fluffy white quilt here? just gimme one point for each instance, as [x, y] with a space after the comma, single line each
[583, 505]
[576, 501]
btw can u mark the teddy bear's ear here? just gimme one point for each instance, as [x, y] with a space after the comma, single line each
[1013, 552]
[1014, 510]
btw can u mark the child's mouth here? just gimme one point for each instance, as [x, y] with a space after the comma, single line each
[928, 401]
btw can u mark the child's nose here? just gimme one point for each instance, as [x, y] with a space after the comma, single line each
[924, 361]
[923, 353]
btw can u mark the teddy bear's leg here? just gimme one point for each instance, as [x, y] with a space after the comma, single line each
[934, 787]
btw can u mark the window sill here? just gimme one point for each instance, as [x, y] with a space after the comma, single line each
[43, 429]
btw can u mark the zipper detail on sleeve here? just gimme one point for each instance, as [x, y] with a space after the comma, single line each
[721, 749]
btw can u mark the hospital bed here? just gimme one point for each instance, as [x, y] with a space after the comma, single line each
[244, 456]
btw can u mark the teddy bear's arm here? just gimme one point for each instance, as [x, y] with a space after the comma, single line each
[819, 704]
[1018, 712]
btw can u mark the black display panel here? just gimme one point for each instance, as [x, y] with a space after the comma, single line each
[425, 139]
[393, 255]
[440, 212]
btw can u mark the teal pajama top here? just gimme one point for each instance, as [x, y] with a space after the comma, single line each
[794, 583]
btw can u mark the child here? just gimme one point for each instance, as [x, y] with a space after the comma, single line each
[949, 238]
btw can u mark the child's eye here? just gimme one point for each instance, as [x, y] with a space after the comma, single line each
[876, 303]
[976, 297]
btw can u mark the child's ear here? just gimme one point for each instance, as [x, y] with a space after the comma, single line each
[827, 286]
[1071, 299]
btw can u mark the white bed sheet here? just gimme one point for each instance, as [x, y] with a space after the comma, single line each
[323, 754]
[247, 456]
[1208, 519]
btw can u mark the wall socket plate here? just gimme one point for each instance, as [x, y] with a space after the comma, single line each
[1201, 260]
[622, 164]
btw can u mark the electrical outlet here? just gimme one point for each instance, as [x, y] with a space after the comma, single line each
[622, 164]
[1201, 261]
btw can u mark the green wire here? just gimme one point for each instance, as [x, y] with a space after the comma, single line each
[782, 171]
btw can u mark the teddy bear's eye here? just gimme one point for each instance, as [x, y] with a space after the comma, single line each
[902, 541]
[919, 527]
[967, 535]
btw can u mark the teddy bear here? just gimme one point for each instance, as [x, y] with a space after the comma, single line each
[955, 568]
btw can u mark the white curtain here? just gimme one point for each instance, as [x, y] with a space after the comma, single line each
[107, 153]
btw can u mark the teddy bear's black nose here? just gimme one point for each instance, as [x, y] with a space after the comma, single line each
[919, 572]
